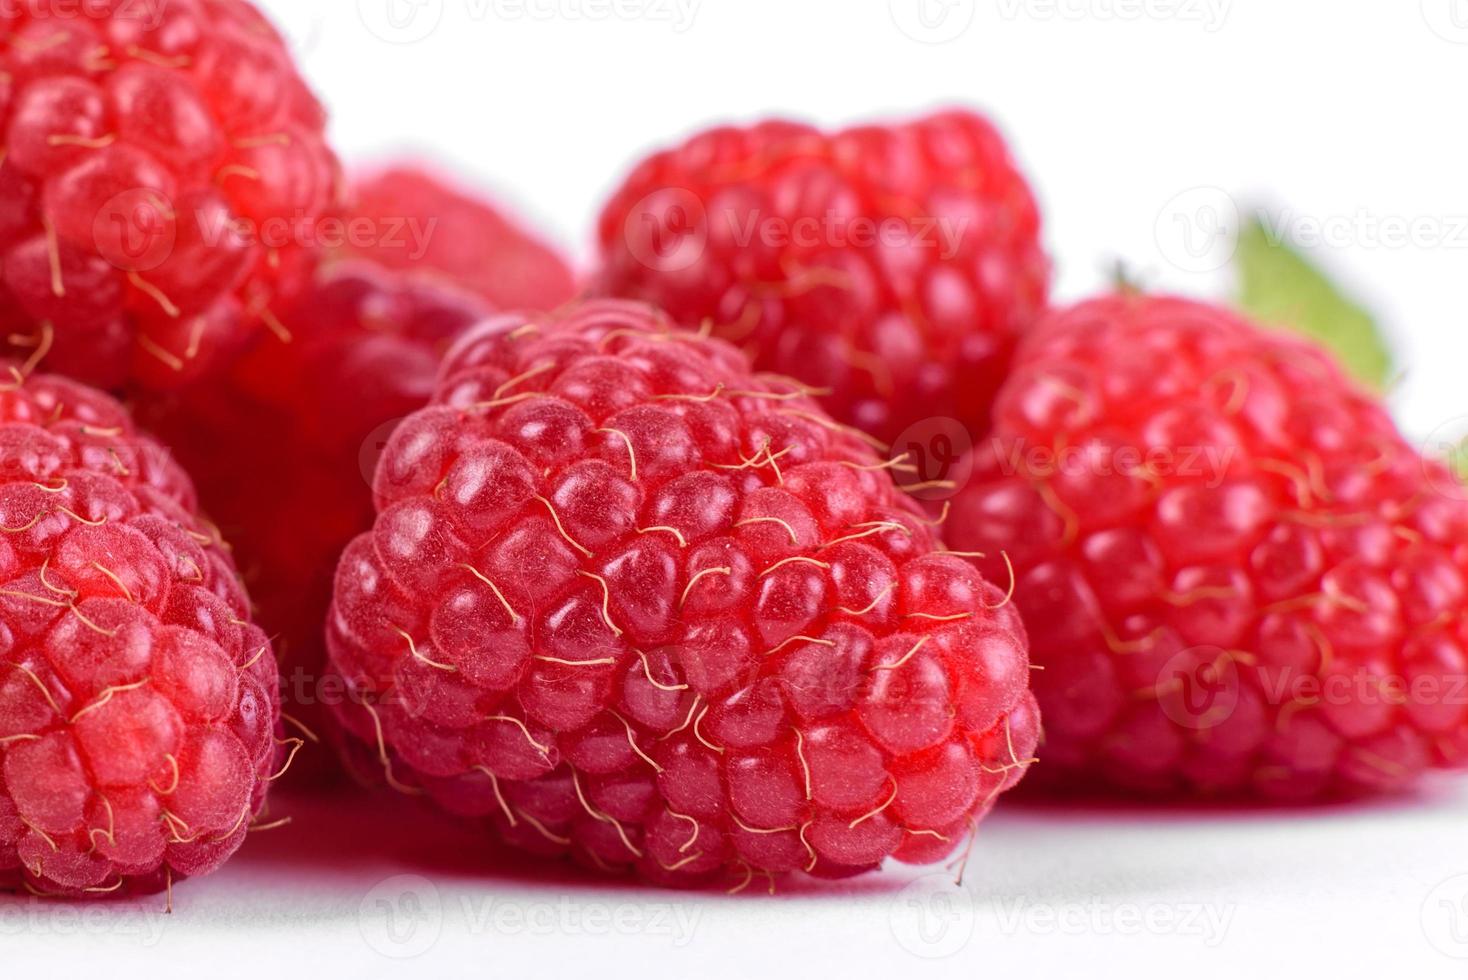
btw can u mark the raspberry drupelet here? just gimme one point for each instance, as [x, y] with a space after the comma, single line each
[627, 601]
[1238, 577]
[163, 173]
[138, 704]
[893, 266]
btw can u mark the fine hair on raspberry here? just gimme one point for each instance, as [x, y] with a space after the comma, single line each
[628, 602]
[138, 703]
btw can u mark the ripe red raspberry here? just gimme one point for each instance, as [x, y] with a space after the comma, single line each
[138, 704]
[164, 168]
[283, 446]
[894, 266]
[310, 414]
[627, 601]
[461, 237]
[1238, 577]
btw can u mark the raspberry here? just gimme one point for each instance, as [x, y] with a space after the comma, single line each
[461, 237]
[1238, 577]
[626, 601]
[308, 416]
[164, 169]
[138, 705]
[311, 414]
[894, 266]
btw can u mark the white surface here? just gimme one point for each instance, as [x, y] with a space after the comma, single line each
[372, 887]
[1348, 113]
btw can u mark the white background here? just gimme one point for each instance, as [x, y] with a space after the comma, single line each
[1139, 120]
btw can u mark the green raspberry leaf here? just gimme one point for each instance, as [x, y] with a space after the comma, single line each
[1281, 287]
